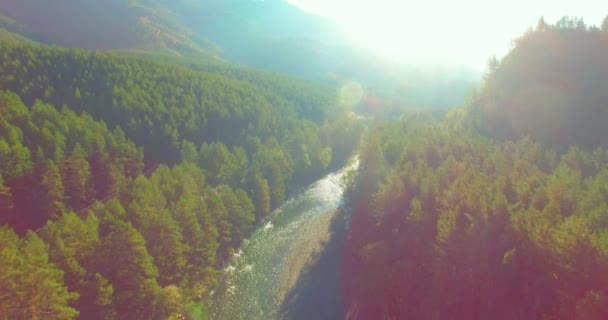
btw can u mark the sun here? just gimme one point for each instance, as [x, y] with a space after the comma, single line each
[416, 32]
[467, 32]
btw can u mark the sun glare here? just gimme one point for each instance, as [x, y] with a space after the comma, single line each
[466, 32]
[403, 31]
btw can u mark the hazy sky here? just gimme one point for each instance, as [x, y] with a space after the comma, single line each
[464, 31]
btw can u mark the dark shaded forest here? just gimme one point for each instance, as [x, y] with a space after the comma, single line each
[126, 182]
[499, 210]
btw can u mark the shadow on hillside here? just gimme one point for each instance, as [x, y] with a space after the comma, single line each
[317, 292]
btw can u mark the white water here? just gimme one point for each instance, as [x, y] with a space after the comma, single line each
[250, 285]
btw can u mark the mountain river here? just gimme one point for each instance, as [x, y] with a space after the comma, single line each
[289, 267]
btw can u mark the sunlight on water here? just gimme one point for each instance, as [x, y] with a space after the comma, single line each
[249, 285]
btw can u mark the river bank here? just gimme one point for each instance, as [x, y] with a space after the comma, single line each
[310, 282]
[289, 267]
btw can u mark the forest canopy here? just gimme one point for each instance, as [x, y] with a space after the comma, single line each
[128, 181]
[498, 210]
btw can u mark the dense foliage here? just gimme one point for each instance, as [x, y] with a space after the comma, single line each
[508, 222]
[449, 225]
[131, 181]
[163, 107]
[54, 160]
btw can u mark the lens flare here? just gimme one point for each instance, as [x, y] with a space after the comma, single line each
[351, 94]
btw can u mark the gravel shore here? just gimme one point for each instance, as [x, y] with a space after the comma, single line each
[310, 283]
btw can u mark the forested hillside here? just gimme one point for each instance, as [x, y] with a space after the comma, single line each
[499, 210]
[551, 87]
[272, 35]
[126, 182]
[113, 24]
[237, 30]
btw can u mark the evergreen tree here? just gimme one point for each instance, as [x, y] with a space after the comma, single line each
[51, 194]
[261, 196]
[124, 260]
[240, 212]
[32, 288]
[188, 152]
[76, 174]
[163, 237]
[73, 245]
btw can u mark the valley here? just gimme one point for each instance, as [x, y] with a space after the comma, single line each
[239, 159]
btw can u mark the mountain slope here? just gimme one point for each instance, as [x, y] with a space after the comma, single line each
[114, 24]
[183, 26]
[551, 86]
[447, 224]
[271, 35]
[499, 210]
[100, 153]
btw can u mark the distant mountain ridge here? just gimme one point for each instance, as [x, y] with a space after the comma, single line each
[108, 25]
[271, 34]
[183, 26]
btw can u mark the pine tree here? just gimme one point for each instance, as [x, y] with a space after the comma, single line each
[11, 301]
[148, 209]
[76, 174]
[51, 192]
[124, 260]
[73, 245]
[32, 288]
[240, 212]
[219, 215]
[165, 244]
[261, 196]
[542, 25]
[188, 152]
